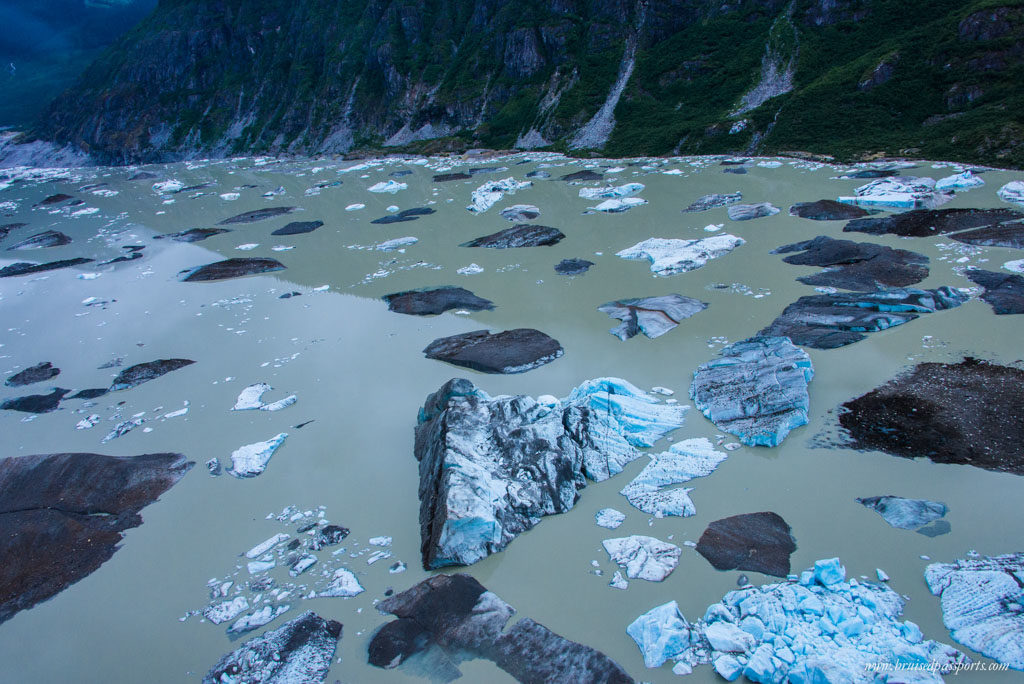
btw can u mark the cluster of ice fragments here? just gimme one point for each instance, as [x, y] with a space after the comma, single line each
[818, 629]
[252, 596]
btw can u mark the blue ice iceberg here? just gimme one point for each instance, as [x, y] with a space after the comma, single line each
[492, 467]
[820, 630]
[983, 604]
[756, 389]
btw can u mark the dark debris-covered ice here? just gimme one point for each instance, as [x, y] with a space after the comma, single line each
[509, 351]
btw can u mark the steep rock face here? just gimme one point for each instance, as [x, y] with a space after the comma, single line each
[627, 77]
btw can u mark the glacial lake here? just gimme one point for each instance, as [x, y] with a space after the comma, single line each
[360, 378]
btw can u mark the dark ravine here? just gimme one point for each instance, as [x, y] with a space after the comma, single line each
[840, 77]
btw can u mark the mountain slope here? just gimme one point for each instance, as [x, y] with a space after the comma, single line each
[623, 77]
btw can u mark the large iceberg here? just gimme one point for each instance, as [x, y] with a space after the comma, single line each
[1012, 192]
[492, 467]
[820, 630]
[669, 256]
[756, 389]
[981, 604]
[252, 459]
[901, 192]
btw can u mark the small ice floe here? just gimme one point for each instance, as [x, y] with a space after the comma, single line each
[684, 461]
[230, 196]
[609, 518]
[260, 566]
[612, 192]
[958, 181]
[880, 574]
[123, 428]
[343, 584]
[769, 164]
[251, 399]
[305, 562]
[470, 270]
[669, 256]
[252, 459]
[520, 212]
[397, 568]
[388, 186]
[282, 248]
[616, 206]
[664, 391]
[261, 617]
[395, 244]
[1017, 266]
[643, 557]
[618, 581]
[167, 187]
[714, 227]
[746, 212]
[392, 209]
[87, 422]
[213, 465]
[264, 546]
[380, 541]
[248, 246]
[919, 515]
[355, 207]
[1012, 192]
[673, 172]
[491, 192]
[228, 610]
[377, 556]
[88, 276]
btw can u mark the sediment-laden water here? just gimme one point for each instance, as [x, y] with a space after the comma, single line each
[360, 377]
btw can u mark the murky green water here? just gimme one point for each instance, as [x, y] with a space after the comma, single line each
[360, 376]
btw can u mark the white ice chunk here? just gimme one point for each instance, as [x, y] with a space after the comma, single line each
[251, 459]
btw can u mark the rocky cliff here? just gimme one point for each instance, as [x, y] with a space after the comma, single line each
[622, 77]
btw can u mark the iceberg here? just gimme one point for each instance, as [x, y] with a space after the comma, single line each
[1012, 192]
[901, 192]
[684, 461]
[612, 192]
[252, 459]
[492, 467]
[250, 399]
[981, 604]
[746, 212]
[389, 186]
[958, 181]
[645, 558]
[669, 256]
[491, 192]
[756, 389]
[820, 629]
[299, 650]
[616, 206]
